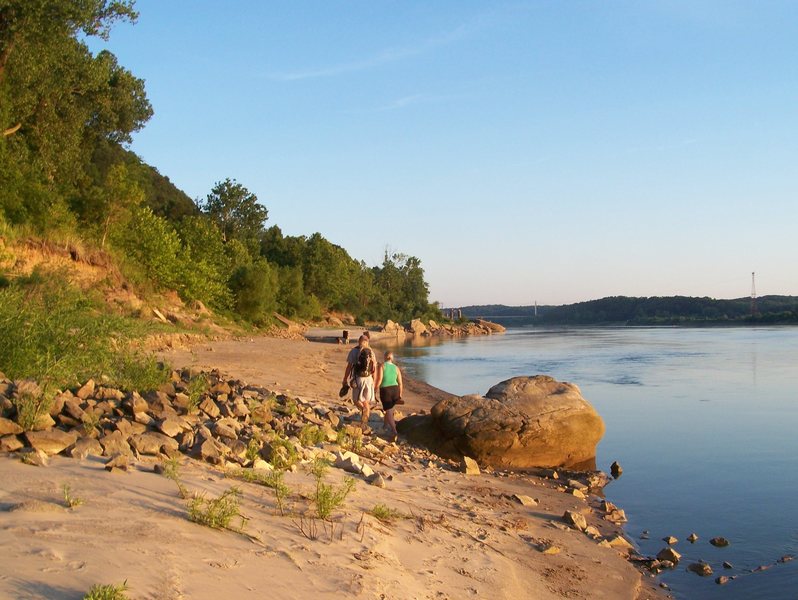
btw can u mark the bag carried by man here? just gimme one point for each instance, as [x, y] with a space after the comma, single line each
[364, 366]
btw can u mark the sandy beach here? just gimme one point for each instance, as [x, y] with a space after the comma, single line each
[454, 536]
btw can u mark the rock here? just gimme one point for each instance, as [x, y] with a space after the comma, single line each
[524, 422]
[34, 457]
[119, 463]
[577, 493]
[9, 427]
[51, 441]
[43, 422]
[224, 429]
[592, 532]
[616, 470]
[722, 580]
[692, 538]
[670, 540]
[604, 544]
[213, 451]
[616, 516]
[490, 326]
[58, 403]
[114, 443]
[86, 390]
[469, 466]
[417, 327]
[621, 543]
[153, 443]
[719, 542]
[376, 480]
[348, 461]
[84, 447]
[210, 408]
[525, 500]
[73, 409]
[366, 471]
[10, 443]
[135, 404]
[727, 565]
[669, 554]
[261, 465]
[700, 568]
[391, 327]
[575, 520]
[549, 549]
[171, 426]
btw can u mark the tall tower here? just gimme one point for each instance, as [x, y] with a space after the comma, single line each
[753, 294]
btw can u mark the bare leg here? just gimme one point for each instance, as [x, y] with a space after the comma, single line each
[391, 422]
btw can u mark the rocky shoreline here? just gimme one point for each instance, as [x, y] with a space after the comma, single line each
[238, 429]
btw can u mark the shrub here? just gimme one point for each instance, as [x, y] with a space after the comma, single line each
[328, 498]
[107, 592]
[217, 513]
[310, 435]
[384, 513]
[69, 500]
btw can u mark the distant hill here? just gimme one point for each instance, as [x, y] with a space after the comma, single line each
[657, 310]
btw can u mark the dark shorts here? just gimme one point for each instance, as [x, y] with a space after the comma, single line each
[388, 396]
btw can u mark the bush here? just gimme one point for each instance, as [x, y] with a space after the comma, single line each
[254, 287]
[217, 513]
[107, 592]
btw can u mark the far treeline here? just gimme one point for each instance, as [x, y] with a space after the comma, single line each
[66, 118]
[664, 310]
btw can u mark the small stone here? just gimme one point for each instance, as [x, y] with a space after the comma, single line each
[171, 426]
[376, 480]
[692, 538]
[719, 542]
[10, 443]
[669, 554]
[84, 447]
[575, 520]
[727, 565]
[525, 500]
[592, 532]
[722, 580]
[700, 568]
[550, 474]
[86, 390]
[604, 544]
[621, 543]
[616, 470]
[469, 466]
[645, 535]
[577, 493]
[152, 443]
[366, 471]
[549, 549]
[670, 540]
[210, 408]
[34, 457]
[9, 427]
[261, 465]
[118, 464]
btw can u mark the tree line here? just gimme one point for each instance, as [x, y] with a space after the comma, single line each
[67, 116]
[657, 310]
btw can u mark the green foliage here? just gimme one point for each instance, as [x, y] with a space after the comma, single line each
[328, 498]
[217, 513]
[237, 213]
[254, 287]
[287, 407]
[207, 266]
[107, 592]
[350, 441]
[62, 337]
[384, 513]
[310, 435]
[284, 454]
[70, 501]
[253, 449]
[194, 390]
[30, 408]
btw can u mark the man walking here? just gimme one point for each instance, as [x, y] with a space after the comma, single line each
[361, 365]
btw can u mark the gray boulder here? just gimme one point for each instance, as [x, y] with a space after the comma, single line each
[521, 423]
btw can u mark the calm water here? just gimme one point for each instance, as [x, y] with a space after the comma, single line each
[703, 421]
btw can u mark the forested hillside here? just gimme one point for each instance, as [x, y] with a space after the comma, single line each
[67, 117]
[664, 310]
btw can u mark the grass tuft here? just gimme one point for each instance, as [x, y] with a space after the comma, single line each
[107, 592]
[386, 514]
[217, 513]
[69, 500]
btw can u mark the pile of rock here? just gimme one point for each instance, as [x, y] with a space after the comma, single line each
[220, 421]
[417, 327]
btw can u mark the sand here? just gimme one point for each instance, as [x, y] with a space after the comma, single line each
[457, 536]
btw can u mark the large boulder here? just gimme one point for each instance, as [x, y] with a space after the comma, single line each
[521, 423]
[417, 327]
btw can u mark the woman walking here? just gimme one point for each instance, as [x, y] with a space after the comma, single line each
[389, 382]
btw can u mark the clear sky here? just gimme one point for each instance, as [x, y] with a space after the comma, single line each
[541, 150]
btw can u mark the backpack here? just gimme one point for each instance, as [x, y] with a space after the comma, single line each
[365, 363]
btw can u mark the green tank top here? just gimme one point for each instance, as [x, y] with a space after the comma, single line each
[389, 375]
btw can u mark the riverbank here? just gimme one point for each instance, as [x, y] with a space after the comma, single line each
[453, 536]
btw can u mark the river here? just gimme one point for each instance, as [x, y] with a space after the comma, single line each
[704, 422]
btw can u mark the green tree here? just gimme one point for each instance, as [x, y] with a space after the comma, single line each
[237, 213]
[254, 287]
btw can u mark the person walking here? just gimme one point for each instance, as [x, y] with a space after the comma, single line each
[389, 382]
[361, 365]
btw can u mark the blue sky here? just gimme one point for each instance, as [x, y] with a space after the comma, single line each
[525, 151]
